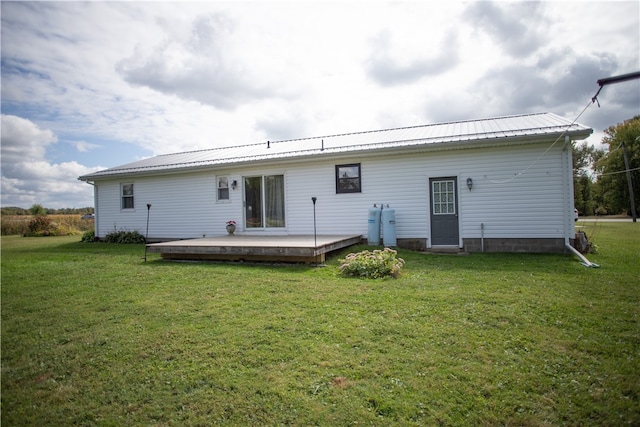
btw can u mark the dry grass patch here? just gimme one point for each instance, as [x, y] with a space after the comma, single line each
[60, 225]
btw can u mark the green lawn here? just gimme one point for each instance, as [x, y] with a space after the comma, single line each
[92, 335]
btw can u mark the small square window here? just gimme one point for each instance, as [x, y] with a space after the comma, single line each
[348, 178]
[127, 196]
[223, 188]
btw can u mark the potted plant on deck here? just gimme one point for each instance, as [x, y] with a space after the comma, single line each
[231, 226]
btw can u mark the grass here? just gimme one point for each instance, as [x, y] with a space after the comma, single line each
[92, 335]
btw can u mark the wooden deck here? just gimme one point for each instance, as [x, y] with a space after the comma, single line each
[295, 248]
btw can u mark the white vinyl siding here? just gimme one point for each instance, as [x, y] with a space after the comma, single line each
[181, 206]
[508, 203]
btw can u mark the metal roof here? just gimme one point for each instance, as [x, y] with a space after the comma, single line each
[445, 135]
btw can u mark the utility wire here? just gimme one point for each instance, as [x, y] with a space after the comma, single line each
[564, 132]
[614, 173]
[602, 83]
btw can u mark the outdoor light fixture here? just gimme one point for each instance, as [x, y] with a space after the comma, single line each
[315, 238]
[469, 183]
[146, 236]
[234, 184]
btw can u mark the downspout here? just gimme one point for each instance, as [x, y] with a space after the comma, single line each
[482, 236]
[569, 225]
[585, 261]
[95, 209]
[567, 175]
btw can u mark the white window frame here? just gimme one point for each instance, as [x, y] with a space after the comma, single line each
[222, 183]
[127, 196]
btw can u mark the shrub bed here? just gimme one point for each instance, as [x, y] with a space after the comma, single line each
[372, 265]
[122, 236]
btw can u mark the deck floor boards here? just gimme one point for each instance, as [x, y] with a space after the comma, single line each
[238, 247]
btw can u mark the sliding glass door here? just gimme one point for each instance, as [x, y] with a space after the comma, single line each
[253, 217]
[264, 201]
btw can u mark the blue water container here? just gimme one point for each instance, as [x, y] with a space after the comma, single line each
[373, 233]
[389, 227]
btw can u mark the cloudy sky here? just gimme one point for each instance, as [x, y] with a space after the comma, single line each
[87, 86]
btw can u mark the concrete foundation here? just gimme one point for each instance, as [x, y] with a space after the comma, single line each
[515, 245]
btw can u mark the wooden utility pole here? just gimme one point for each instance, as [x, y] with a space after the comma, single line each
[626, 167]
[602, 83]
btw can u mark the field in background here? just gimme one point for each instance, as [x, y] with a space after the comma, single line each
[19, 224]
[92, 335]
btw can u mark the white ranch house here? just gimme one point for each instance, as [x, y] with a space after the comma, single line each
[499, 184]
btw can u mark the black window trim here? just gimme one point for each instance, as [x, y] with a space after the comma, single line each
[340, 182]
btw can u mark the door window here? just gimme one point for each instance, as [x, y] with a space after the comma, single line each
[443, 193]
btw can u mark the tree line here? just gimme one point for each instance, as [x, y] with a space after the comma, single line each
[600, 177]
[38, 209]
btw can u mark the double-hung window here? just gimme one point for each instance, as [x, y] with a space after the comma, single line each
[348, 178]
[127, 196]
[223, 188]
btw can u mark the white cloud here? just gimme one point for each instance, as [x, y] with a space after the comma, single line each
[387, 68]
[208, 65]
[519, 28]
[23, 140]
[28, 178]
[165, 77]
[84, 146]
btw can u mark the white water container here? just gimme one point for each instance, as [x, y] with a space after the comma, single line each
[389, 227]
[373, 233]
